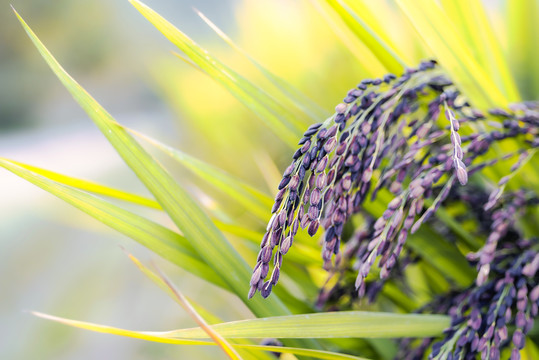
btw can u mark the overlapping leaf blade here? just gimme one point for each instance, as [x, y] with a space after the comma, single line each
[250, 198]
[206, 239]
[91, 186]
[279, 119]
[375, 24]
[365, 59]
[158, 337]
[164, 283]
[480, 86]
[286, 93]
[303, 255]
[475, 29]
[195, 310]
[380, 48]
[439, 33]
[351, 324]
[155, 237]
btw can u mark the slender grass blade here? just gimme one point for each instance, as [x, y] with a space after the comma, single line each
[342, 324]
[196, 226]
[277, 117]
[157, 337]
[164, 242]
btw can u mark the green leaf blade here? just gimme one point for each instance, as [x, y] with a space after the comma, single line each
[342, 324]
[195, 225]
[471, 18]
[91, 186]
[287, 93]
[164, 242]
[439, 33]
[381, 50]
[161, 338]
[251, 198]
[278, 118]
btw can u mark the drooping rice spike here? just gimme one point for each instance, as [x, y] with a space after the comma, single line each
[385, 134]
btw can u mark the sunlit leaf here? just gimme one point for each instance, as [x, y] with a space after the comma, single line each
[287, 93]
[158, 337]
[116, 331]
[376, 24]
[195, 225]
[182, 209]
[523, 32]
[195, 309]
[155, 237]
[345, 324]
[276, 117]
[91, 186]
[380, 48]
[439, 33]
[252, 199]
[475, 29]
[366, 60]
[165, 284]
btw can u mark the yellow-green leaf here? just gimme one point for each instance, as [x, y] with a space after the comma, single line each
[365, 58]
[164, 283]
[252, 199]
[440, 35]
[341, 324]
[475, 29]
[279, 119]
[522, 19]
[383, 51]
[286, 93]
[91, 186]
[160, 338]
[195, 225]
[159, 239]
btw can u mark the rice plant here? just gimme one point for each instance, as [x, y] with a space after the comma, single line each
[407, 216]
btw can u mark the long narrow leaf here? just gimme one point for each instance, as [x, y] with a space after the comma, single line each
[207, 240]
[163, 282]
[194, 309]
[383, 52]
[439, 33]
[442, 255]
[523, 32]
[302, 255]
[476, 30]
[116, 331]
[155, 237]
[376, 24]
[365, 59]
[276, 117]
[287, 93]
[252, 199]
[342, 324]
[157, 337]
[91, 186]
